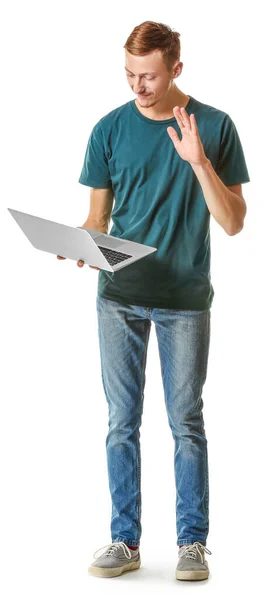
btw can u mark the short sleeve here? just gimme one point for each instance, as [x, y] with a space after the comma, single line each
[95, 171]
[231, 167]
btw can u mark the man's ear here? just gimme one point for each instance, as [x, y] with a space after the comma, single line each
[178, 70]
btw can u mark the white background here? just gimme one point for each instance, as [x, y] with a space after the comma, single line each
[62, 70]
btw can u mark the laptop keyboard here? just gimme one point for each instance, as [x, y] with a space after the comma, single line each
[112, 256]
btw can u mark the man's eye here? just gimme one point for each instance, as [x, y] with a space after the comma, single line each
[148, 78]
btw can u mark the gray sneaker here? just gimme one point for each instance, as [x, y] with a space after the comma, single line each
[115, 559]
[192, 564]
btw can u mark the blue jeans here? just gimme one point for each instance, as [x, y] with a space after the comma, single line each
[183, 341]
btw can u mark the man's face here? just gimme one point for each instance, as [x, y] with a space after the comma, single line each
[148, 77]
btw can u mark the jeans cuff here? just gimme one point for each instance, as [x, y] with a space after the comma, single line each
[126, 541]
[182, 542]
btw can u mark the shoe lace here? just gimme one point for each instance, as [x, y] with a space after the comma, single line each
[112, 548]
[194, 551]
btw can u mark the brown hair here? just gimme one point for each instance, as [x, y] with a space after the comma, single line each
[150, 36]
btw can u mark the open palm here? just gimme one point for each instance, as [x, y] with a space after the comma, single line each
[190, 147]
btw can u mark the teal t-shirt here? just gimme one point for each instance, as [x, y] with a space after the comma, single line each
[159, 202]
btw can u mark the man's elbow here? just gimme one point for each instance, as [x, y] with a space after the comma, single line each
[237, 226]
[235, 229]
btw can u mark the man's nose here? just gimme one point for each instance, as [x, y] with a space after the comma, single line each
[138, 89]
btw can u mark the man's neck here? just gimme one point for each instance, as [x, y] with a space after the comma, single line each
[166, 112]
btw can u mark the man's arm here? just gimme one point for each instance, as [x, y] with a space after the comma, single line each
[226, 205]
[100, 210]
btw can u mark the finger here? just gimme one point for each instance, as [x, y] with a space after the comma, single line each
[194, 127]
[80, 263]
[174, 135]
[61, 257]
[177, 115]
[94, 267]
[185, 117]
[181, 117]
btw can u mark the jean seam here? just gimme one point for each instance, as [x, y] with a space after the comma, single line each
[207, 465]
[141, 408]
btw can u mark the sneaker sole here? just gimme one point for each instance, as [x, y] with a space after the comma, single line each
[113, 571]
[192, 575]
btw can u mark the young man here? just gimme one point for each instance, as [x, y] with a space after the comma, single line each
[169, 161]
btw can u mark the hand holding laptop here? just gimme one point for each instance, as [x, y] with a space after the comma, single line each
[80, 263]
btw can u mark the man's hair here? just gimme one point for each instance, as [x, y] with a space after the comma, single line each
[150, 36]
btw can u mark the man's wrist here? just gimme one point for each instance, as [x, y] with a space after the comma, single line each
[206, 165]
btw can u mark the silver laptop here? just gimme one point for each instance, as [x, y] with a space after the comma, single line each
[78, 243]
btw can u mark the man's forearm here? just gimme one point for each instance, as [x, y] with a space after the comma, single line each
[227, 208]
